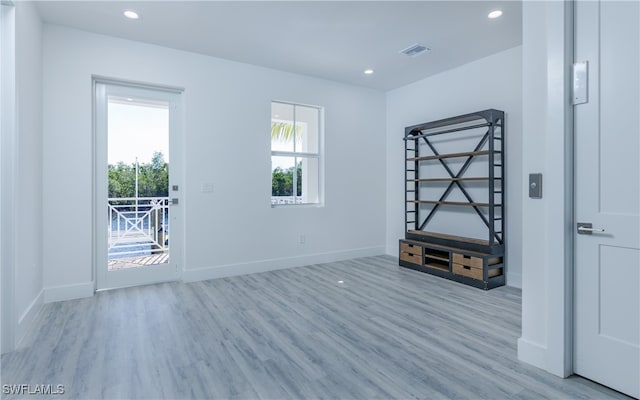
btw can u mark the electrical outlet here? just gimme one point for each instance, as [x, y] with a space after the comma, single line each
[302, 239]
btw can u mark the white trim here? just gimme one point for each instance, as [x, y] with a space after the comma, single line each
[223, 271]
[566, 368]
[532, 353]
[295, 154]
[136, 84]
[27, 320]
[68, 292]
[300, 205]
[83, 290]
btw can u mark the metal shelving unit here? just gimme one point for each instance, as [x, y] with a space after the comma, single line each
[491, 148]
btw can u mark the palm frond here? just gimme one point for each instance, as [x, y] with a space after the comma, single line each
[283, 131]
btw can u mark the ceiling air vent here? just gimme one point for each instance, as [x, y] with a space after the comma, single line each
[414, 50]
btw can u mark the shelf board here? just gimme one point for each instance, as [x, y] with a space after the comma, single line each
[449, 237]
[447, 248]
[437, 258]
[479, 178]
[450, 155]
[453, 203]
[437, 266]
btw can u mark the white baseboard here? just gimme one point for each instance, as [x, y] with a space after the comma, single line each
[28, 318]
[514, 279]
[223, 271]
[532, 353]
[393, 251]
[68, 292]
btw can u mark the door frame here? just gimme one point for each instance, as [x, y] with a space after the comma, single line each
[570, 192]
[175, 97]
[558, 354]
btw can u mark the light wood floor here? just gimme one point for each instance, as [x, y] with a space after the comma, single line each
[136, 262]
[384, 332]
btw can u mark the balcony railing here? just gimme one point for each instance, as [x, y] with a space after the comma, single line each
[275, 200]
[138, 226]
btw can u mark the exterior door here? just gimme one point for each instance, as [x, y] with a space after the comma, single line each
[138, 214]
[607, 195]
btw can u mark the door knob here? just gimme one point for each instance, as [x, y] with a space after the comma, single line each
[586, 228]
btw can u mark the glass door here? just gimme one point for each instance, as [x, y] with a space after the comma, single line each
[138, 213]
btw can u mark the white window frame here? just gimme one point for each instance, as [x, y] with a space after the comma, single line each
[319, 155]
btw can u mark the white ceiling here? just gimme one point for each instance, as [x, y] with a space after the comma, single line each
[334, 40]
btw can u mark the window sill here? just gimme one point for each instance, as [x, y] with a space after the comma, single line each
[305, 205]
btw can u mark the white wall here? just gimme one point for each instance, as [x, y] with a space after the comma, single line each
[28, 185]
[227, 112]
[491, 82]
[7, 178]
[547, 222]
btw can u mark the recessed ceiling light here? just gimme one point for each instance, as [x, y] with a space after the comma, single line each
[495, 14]
[131, 14]
[368, 71]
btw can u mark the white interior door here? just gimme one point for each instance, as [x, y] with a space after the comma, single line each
[607, 194]
[138, 213]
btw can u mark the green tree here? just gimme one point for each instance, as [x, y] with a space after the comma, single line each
[153, 178]
[282, 181]
[121, 180]
[160, 177]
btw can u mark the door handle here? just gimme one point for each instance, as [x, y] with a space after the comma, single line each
[586, 228]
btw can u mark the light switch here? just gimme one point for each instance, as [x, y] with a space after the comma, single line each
[580, 83]
[206, 187]
[535, 186]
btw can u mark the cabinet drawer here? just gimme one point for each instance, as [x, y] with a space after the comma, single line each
[466, 270]
[469, 261]
[409, 248]
[412, 258]
[411, 253]
[475, 273]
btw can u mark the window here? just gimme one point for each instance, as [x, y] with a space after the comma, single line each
[295, 154]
